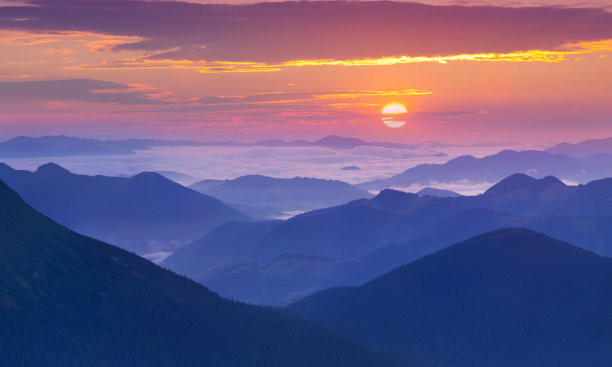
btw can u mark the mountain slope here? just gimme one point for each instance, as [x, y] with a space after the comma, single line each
[224, 246]
[146, 213]
[511, 297]
[69, 300]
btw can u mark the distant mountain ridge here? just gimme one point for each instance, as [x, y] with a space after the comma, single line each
[494, 168]
[57, 146]
[146, 213]
[69, 300]
[507, 298]
[61, 145]
[584, 148]
[256, 194]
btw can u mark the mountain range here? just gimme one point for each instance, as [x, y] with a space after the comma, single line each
[583, 149]
[395, 279]
[61, 145]
[493, 168]
[69, 300]
[147, 213]
[507, 298]
[353, 243]
[268, 197]
[57, 146]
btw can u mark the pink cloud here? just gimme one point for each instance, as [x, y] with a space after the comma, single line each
[276, 32]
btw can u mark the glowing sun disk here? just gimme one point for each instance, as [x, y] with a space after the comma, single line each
[393, 115]
[394, 108]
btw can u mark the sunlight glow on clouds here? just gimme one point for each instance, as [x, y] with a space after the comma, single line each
[521, 56]
[242, 67]
[201, 68]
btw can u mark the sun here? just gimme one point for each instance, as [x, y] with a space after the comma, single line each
[393, 115]
[393, 109]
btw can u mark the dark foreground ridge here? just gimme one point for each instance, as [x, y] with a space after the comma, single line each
[512, 297]
[69, 300]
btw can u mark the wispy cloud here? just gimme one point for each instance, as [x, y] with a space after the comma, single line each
[83, 90]
[284, 34]
[306, 96]
[15, 75]
[301, 107]
[155, 61]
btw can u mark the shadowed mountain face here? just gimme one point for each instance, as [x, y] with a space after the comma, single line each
[146, 213]
[356, 242]
[262, 196]
[508, 298]
[70, 300]
[494, 168]
[218, 249]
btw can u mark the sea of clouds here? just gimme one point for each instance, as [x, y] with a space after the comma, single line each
[232, 162]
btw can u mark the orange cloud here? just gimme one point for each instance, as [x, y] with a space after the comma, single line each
[25, 39]
[145, 62]
[521, 56]
[58, 51]
[15, 75]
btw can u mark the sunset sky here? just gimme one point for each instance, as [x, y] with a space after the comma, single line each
[538, 71]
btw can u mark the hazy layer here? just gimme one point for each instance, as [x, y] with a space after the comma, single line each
[232, 162]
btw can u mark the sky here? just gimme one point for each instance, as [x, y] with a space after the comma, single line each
[466, 71]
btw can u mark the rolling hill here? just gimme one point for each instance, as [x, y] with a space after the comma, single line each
[511, 297]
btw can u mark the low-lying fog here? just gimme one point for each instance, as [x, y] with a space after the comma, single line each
[360, 164]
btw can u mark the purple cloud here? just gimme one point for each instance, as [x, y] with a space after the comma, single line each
[84, 90]
[283, 31]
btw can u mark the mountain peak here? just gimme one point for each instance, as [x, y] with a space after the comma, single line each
[440, 193]
[255, 178]
[152, 179]
[520, 181]
[394, 198]
[340, 141]
[52, 168]
[4, 166]
[146, 175]
[457, 300]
